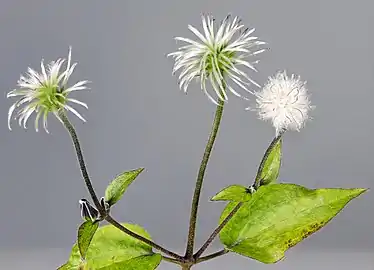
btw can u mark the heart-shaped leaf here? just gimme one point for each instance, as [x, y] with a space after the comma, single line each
[112, 249]
[278, 217]
[118, 186]
[269, 168]
[235, 193]
[85, 234]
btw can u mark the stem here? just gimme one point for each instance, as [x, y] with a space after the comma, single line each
[79, 153]
[92, 192]
[217, 231]
[143, 239]
[171, 260]
[212, 256]
[200, 178]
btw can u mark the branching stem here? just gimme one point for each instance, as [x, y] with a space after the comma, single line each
[92, 192]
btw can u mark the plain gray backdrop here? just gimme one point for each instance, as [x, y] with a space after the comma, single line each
[137, 117]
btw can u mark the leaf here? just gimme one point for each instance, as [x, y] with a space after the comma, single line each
[118, 186]
[64, 267]
[138, 263]
[278, 217]
[235, 193]
[85, 234]
[269, 168]
[110, 248]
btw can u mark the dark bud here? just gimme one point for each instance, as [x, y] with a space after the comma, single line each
[104, 205]
[88, 212]
[252, 189]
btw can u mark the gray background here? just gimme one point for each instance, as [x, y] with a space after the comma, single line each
[137, 117]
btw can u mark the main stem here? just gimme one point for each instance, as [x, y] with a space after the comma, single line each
[200, 179]
[92, 192]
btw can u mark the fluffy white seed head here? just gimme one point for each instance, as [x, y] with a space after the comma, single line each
[45, 92]
[217, 57]
[285, 102]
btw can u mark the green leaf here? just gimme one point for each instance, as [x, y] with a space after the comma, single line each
[64, 267]
[118, 186]
[278, 217]
[110, 248]
[270, 164]
[85, 234]
[138, 263]
[235, 193]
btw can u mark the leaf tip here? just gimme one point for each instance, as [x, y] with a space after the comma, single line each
[63, 267]
[141, 169]
[214, 198]
[138, 171]
[358, 191]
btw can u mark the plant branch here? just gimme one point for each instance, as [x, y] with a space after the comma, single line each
[212, 256]
[237, 207]
[200, 178]
[171, 260]
[217, 231]
[92, 192]
[143, 239]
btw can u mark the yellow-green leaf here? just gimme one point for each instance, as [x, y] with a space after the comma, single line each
[85, 234]
[110, 248]
[139, 263]
[235, 193]
[279, 216]
[118, 186]
[270, 164]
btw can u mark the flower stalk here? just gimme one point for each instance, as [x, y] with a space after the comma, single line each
[82, 165]
[200, 179]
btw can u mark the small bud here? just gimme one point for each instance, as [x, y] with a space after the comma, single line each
[251, 189]
[88, 212]
[104, 205]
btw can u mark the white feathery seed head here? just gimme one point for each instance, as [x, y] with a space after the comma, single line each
[44, 92]
[285, 102]
[217, 56]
